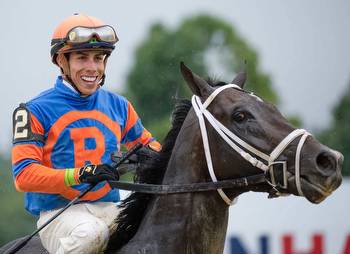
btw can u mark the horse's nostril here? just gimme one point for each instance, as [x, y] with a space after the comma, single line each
[326, 162]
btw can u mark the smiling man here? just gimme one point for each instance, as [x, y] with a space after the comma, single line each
[63, 139]
[86, 69]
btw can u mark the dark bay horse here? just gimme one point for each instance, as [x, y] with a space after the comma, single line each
[225, 133]
[228, 134]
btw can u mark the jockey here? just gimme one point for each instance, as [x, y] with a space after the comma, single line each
[63, 139]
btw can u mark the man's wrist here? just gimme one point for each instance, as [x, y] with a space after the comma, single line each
[71, 176]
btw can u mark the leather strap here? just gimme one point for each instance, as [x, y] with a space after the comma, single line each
[160, 189]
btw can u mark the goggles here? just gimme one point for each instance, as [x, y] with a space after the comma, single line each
[79, 34]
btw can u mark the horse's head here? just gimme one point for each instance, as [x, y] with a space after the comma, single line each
[251, 134]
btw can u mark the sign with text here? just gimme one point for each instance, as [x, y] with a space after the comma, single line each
[290, 225]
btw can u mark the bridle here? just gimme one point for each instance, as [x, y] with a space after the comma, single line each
[236, 143]
[233, 140]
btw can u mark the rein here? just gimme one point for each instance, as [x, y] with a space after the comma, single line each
[187, 188]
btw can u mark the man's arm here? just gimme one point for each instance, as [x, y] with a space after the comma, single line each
[134, 132]
[30, 175]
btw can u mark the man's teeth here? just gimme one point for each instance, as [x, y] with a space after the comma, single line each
[88, 78]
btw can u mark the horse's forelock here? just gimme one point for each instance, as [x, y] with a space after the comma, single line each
[213, 82]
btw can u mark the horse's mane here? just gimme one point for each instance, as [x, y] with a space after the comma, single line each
[152, 171]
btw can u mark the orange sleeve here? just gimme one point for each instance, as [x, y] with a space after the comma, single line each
[31, 175]
[36, 125]
[38, 178]
[131, 119]
[26, 151]
[144, 139]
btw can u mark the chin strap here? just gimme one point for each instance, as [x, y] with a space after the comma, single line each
[62, 59]
[233, 140]
[71, 83]
[102, 80]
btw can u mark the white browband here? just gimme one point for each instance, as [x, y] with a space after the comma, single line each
[232, 140]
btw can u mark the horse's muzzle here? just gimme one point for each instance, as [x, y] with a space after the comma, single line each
[327, 177]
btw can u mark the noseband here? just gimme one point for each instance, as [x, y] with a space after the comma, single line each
[232, 140]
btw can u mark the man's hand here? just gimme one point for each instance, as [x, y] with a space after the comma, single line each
[142, 155]
[139, 157]
[146, 153]
[137, 161]
[97, 173]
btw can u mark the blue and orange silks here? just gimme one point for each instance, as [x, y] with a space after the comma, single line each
[76, 131]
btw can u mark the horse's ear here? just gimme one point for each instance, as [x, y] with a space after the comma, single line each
[198, 85]
[240, 79]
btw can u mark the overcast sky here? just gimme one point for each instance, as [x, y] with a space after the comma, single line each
[303, 45]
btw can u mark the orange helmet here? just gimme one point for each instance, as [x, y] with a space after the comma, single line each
[82, 32]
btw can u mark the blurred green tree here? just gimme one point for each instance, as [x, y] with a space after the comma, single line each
[204, 43]
[15, 222]
[337, 135]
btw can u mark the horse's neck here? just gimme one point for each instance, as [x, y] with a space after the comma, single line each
[197, 221]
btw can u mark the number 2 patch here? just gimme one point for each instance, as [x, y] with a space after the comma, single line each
[21, 126]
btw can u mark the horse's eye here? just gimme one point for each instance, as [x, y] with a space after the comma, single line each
[239, 116]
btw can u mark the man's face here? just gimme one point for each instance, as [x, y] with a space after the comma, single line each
[86, 70]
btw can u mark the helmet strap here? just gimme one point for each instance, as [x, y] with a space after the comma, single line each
[102, 81]
[63, 63]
